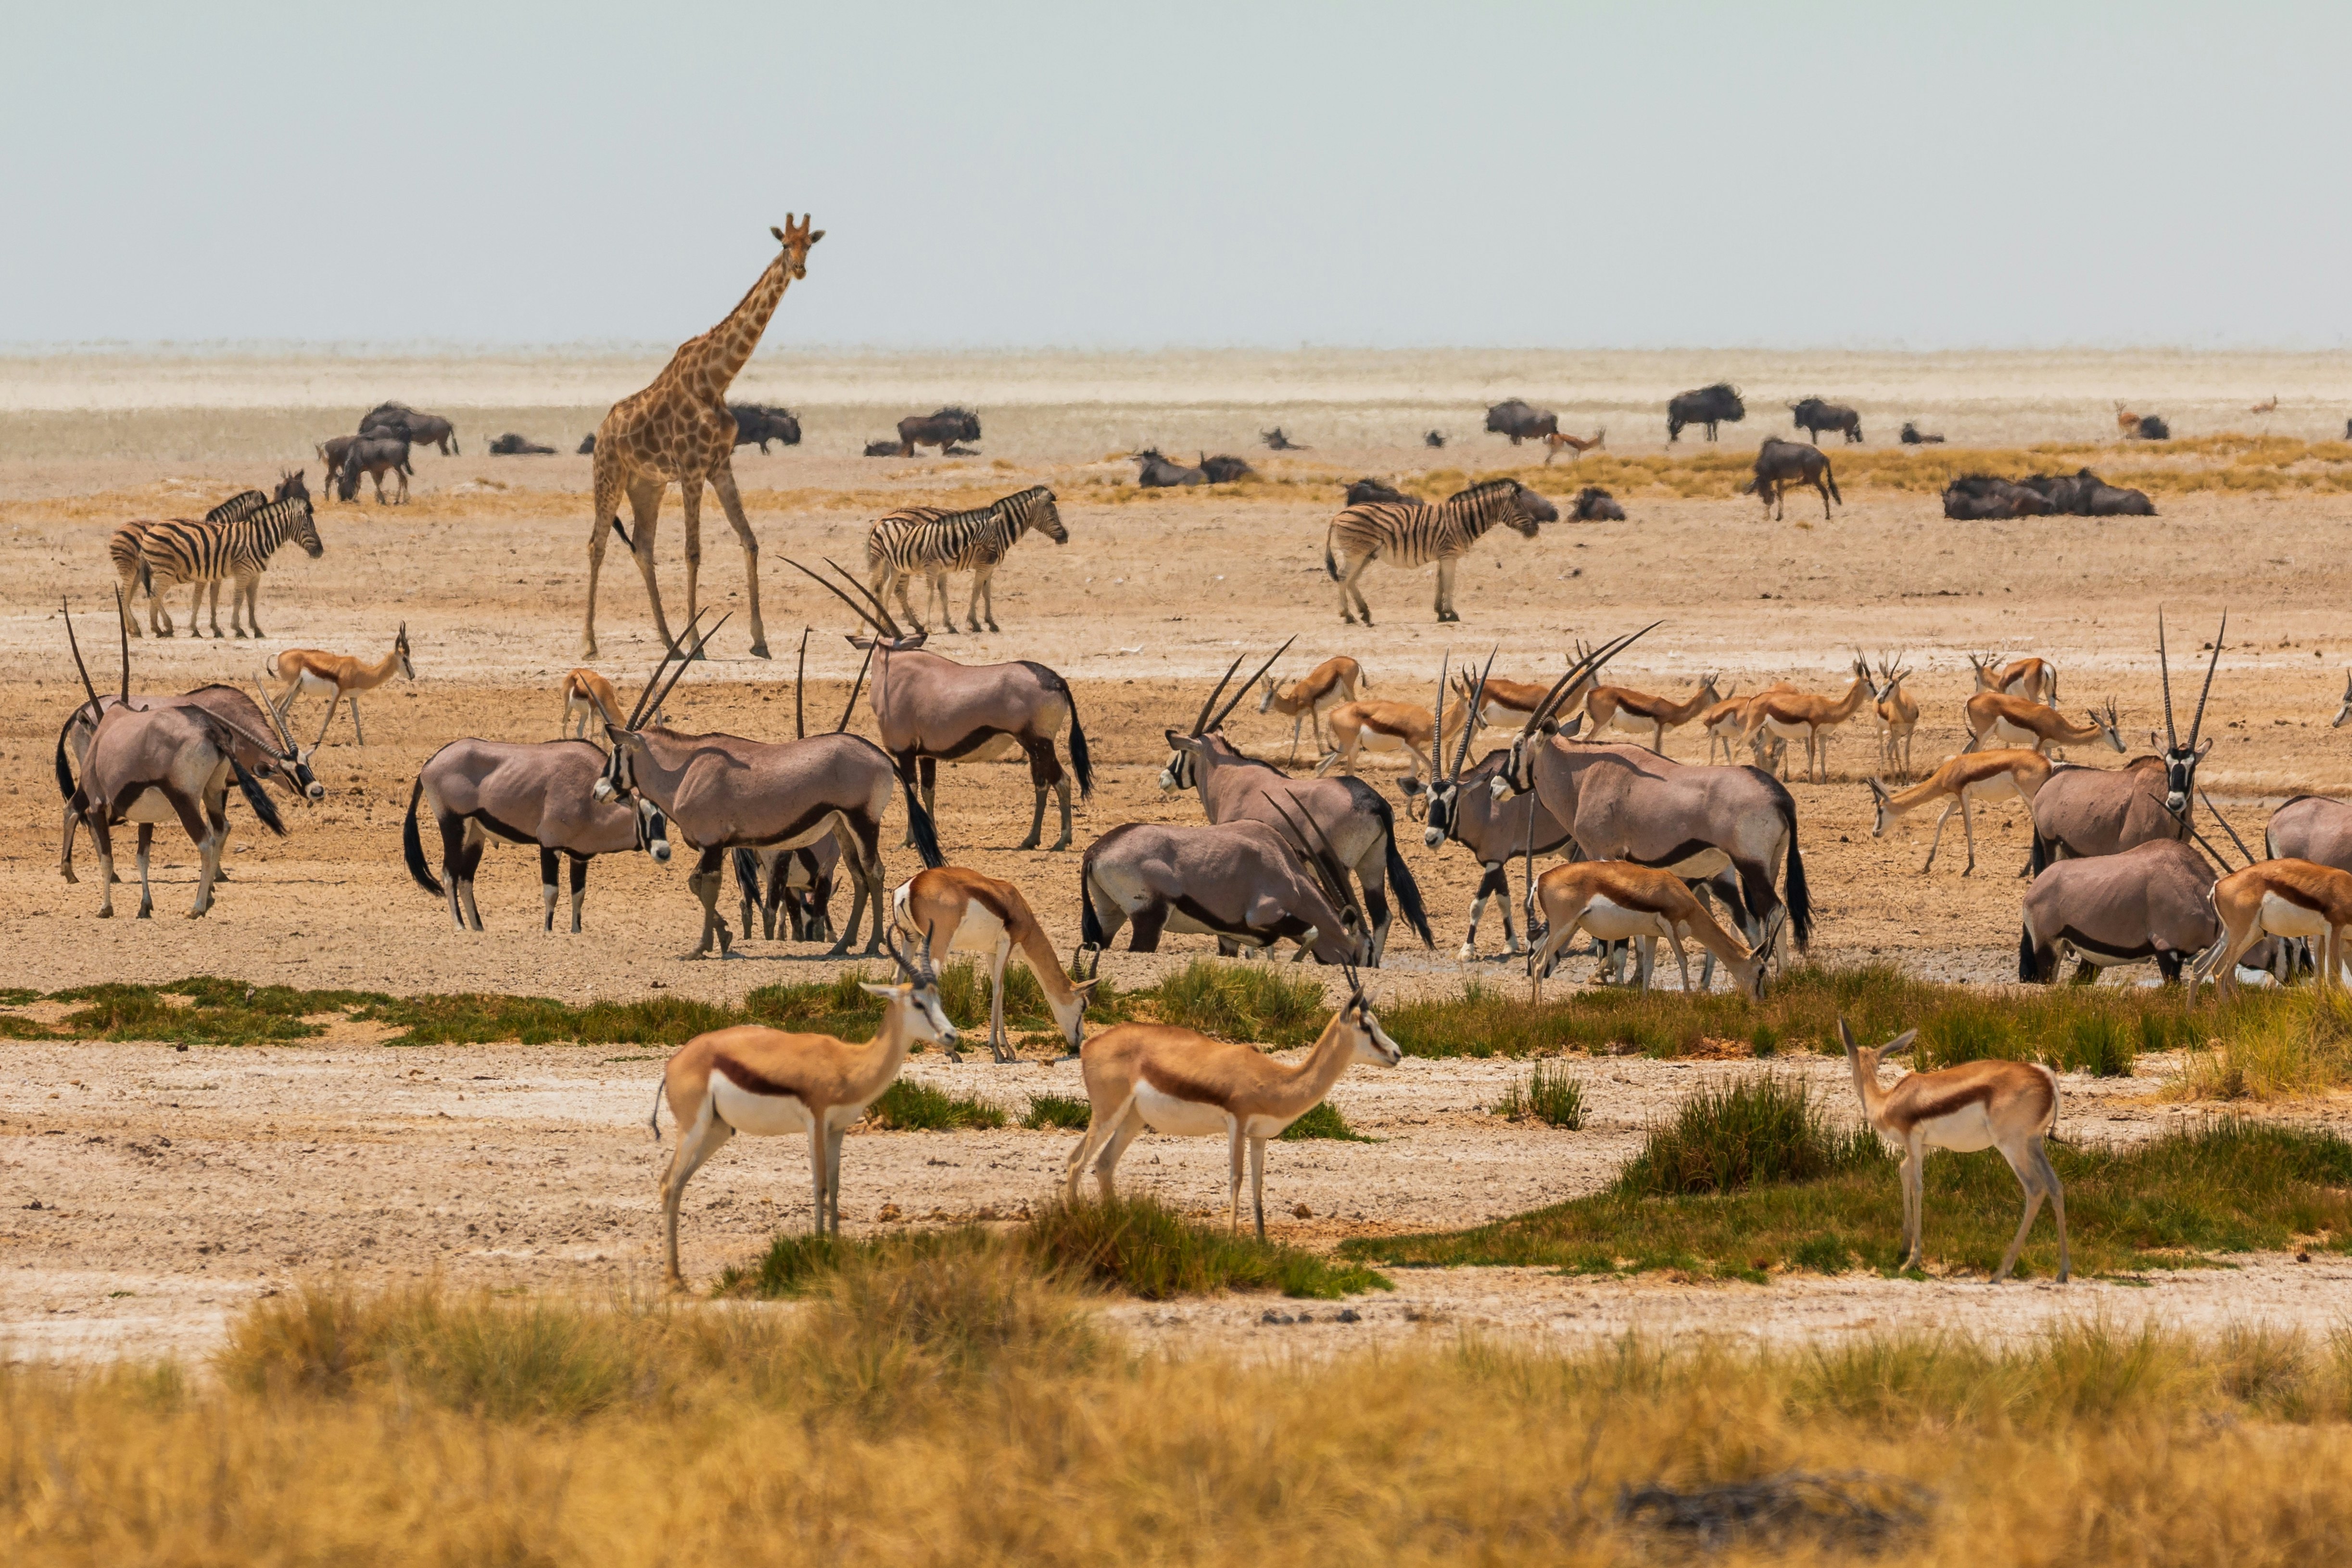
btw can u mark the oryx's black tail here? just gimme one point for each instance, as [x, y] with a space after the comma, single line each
[412, 845]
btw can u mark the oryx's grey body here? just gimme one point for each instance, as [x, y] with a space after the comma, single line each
[2083, 812]
[932, 710]
[534, 793]
[1241, 882]
[2311, 828]
[1464, 809]
[2153, 900]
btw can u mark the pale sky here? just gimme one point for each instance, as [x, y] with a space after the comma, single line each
[1640, 175]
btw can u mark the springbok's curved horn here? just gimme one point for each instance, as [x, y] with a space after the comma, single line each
[75, 643]
[1248, 686]
[654, 698]
[2163, 669]
[855, 687]
[1200, 720]
[800, 679]
[2196, 726]
[879, 627]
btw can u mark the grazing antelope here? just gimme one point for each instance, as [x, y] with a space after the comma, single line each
[953, 910]
[1897, 713]
[1617, 901]
[1962, 782]
[1348, 814]
[770, 1084]
[1242, 883]
[586, 696]
[1995, 718]
[1383, 726]
[1623, 708]
[2270, 405]
[2153, 900]
[931, 542]
[1787, 715]
[1328, 684]
[2288, 899]
[1506, 704]
[2095, 811]
[1407, 534]
[1557, 440]
[1172, 1080]
[2009, 1106]
[2035, 679]
[931, 708]
[341, 676]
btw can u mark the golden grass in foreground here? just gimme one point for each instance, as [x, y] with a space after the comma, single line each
[971, 1414]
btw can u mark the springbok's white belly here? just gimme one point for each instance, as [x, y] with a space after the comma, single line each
[308, 681]
[1625, 719]
[1164, 1112]
[2000, 786]
[1614, 922]
[2008, 734]
[1963, 1132]
[1373, 739]
[1786, 729]
[2284, 917]
[761, 1115]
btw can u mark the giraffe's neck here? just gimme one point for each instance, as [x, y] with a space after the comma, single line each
[708, 365]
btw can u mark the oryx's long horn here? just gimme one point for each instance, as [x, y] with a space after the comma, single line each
[668, 653]
[122, 625]
[2163, 669]
[1200, 720]
[2226, 827]
[800, 679]
[1244, 688]
[75, 643]
[677, 670]
[1437, 738]
[1345, 890]
[855, 687]
[2196, 726]
[1470, 724]
[859, 610]
[276, 727]
[1590, 664]
[890, 622]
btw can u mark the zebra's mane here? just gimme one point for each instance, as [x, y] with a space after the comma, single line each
[1483, 490]
[1031, 493]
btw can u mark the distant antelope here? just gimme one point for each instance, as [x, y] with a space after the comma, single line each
[339, 676]
[1506, 703]
[1789, 715]
[1962, 783]
[1409, 534]
[2344, 711]
[2009, 1106]
[1314, 694]
[2270, 405]
[769, 1083]
[587, 696]
[1898, 716]
[1623, 708]
[2284, 899]
[951, 908]
[1995, 718]
[1617, 901]
[1555, 440]
[1725, 723]
[2031, 677]
[2127, 421]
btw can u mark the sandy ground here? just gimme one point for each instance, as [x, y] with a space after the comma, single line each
[348, 1155]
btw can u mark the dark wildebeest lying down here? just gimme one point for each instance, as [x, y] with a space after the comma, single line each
[1279, 442]
[419, 429]
[882, 449]
[1521, 420]
[1975, 496]
[943, 430]
[1364, 490]
[1813, 415]
[1594, 504]
[374, 456]
[2085, 494]
[1224, 470]
[513, 445]
[2151, 428]
[1709, 405]
[1912, 437]
[1155, 472]
[588, 444]
[762, 422]
[1780, 465]
[1437, 438]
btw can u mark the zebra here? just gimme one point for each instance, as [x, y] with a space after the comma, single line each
[931, 542]
[1413, 534]
[124, 547]
[203, 554]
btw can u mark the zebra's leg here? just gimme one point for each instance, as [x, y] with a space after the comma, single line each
[730, 501]
[935, 592]
[1347, 603]
[898, 582]
[1347, 589]
[1446, 590]
[252, 586]
[983, 587]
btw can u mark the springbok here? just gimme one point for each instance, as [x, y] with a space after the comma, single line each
[1242, 883]
[1307, 698]
[2127, 421]
[1171, 1081]
[1725, 723]
[770, 1083]
[930, 709]
[1384, 726]
[2269, 405]
[587, 696]
[2153, 900]
[1964, 781]
[2094, 811]
[1995, 718]
[2034, 678]
[1617, 901]
[1623, 708]
[2009, 1106]
[953, 910]
[339, 676]
[1789, 715]
[1897, 713]
[2287, 898]
[1558, 441]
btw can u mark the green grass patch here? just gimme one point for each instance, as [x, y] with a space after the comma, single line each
[1259, 1002]
[1746, 1132]
[1551, 1095]
[1323, 1121]
[908, 1106]
[1049, 1110]
[2177, 1201]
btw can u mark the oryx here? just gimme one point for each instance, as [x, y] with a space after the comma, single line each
[2154, 900]
[1241, 882]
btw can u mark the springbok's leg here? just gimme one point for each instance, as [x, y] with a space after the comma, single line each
[1968, 827]
[832, 1174]
[816, 1173]
[999, 1046]
[358, 734]
[1682, 959]
[1125, 1127]
[1937, 842]
[1915, 1204]
[1236, 1144]
[730, 501]
[2057, 1192]
[146, 895]
[1258, 1182]
[695, 1144]
[2029, 1177]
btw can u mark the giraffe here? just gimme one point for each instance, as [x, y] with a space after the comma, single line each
[679, 428]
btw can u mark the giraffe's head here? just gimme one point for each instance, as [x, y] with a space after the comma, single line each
[796, 243]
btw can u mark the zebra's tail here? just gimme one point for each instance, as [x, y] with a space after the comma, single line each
[1330, 565]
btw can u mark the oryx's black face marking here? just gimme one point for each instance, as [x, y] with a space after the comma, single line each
[1439, 824]
[653, 831]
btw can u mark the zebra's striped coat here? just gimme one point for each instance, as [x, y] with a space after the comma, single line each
[1413, 533]
[206, 553]
[931, 542]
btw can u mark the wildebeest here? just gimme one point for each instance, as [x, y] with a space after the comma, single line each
[943, 430]
[882, 449]
[764, 423]
[330, 452]
[1813, 415]
[1225, 470]
[1708, 405]
[1594, 504]
[374, 456]
[2083, 494]
[1437, 438]
[1155, 472]
[2150, 427]
[1521, 420]
[1913, 437]
[1974, 497]
[1368, 490]
[588, 445]
[420, 430]
[513, 445]
[1782, 464]
[1276, 441]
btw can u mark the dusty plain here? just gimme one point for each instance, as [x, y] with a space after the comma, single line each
[173, 1186]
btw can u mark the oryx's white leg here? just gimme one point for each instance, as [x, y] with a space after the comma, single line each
[695, 1144]
[462, 888]
[579, 888]
[546, 889]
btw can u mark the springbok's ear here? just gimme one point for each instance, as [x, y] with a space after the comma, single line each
[1900, 1043]
[887, 992]
[1086, 988]
[1845, 1036]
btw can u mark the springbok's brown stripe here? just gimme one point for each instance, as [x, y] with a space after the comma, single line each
[750, 1080]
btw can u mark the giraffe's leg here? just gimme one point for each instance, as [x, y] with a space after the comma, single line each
[645, 507]
[730, 501]
[690, 523]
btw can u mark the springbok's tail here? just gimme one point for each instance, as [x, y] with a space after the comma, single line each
[653, 1121]
[412, 844]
